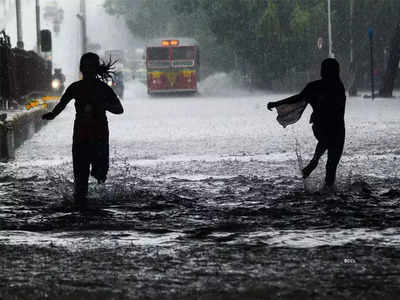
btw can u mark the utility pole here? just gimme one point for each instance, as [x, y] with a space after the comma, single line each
[353, 69]
[371, 53]
[82, 17]
[330, 30]
[20, 43]
[351, 33]
[38, 42]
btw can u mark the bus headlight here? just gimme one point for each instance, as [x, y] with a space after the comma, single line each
[110, 83]
[55, 84]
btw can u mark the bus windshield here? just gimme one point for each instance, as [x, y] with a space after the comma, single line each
[183, 53]
[158, 53]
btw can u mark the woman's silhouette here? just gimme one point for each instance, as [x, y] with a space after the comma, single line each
[328, 100]
[90, 148]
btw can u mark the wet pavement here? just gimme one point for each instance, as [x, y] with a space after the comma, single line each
[204, 201]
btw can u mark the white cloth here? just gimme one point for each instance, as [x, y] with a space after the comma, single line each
[290, 113]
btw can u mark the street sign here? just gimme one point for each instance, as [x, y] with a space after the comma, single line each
[370, 33]
[45, 40]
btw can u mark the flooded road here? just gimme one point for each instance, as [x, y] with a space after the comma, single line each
[204, 201]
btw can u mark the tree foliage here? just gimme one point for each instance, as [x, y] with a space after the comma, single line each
[269, 40]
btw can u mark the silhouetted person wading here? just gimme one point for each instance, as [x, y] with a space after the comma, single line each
[90, 147]
[328, 100]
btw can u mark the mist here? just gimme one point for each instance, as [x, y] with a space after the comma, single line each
[214, 184]
[108, 31]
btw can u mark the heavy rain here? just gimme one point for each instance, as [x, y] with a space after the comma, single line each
[205, 196]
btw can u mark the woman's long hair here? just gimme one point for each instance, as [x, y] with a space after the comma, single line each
[91, 64]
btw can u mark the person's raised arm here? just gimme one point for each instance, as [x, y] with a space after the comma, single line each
[290, 100]
[65, 99]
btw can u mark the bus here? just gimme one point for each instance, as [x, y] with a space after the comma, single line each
[172, 65]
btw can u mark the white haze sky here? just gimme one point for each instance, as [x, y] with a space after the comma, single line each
[110, 32]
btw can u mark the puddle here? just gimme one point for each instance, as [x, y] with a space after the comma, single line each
[389, 237]
[76, 240]
[275, 157]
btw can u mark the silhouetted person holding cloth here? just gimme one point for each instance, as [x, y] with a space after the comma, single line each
[328, 100]
[90, 146]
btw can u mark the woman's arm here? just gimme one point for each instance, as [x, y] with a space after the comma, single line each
[291, 100]
[65, 99]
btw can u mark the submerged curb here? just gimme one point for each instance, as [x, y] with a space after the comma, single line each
[17, 127]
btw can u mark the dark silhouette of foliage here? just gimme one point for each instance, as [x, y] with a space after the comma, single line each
[269, 40]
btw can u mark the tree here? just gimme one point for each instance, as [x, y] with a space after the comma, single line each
[271, 40]
[392, 66]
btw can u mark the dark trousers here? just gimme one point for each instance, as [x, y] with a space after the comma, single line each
[88, 155]
[331, 140]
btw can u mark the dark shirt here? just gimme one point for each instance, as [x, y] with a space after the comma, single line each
[328, 100]
[92, 99]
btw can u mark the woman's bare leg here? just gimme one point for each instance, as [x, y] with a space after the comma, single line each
[319, 151]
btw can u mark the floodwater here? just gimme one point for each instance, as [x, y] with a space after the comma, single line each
[204, 201]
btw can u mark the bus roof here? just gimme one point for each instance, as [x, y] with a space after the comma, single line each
[183, 41]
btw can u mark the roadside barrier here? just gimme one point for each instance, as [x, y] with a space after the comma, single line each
[18, 126]
[22, 74]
